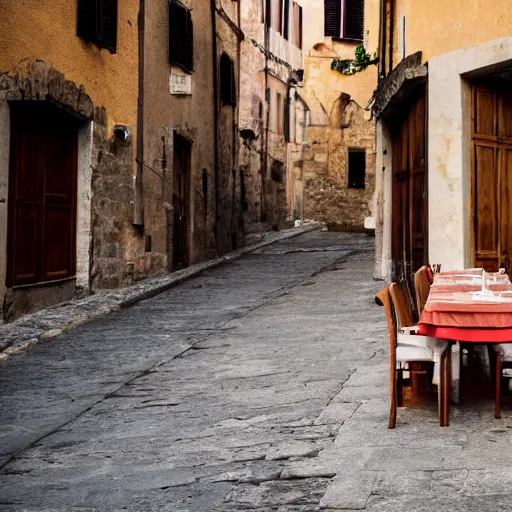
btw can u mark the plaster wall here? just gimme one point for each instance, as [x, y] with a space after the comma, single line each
[189, 115]
[46, 30]
[437, 27]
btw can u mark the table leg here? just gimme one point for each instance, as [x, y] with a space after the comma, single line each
[497, 404]
[446, 367]
[441, 390]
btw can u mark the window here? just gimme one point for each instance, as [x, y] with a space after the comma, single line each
[277, 15]
[97, 22]
[344, 19]
[286, 20]
[181, 37]
[356, 168]
[227, 81]
[297, 25]
[279, 113]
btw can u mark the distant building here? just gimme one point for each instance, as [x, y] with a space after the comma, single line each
[339, 161]
[272, 115]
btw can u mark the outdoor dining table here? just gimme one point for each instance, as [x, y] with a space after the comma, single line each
[468, 306]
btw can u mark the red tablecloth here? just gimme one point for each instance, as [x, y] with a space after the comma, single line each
[459, 309]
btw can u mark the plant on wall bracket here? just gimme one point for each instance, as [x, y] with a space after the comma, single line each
[352, 66]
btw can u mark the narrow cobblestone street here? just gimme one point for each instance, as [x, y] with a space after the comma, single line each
[261, 385]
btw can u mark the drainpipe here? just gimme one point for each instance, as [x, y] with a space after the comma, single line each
[391, 30]
[138, 202]
[382, 38]
[264, 152]
[213, 8]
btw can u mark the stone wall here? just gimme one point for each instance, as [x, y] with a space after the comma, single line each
[327, 197]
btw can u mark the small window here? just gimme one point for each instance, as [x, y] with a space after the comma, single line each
[286, 20]
[356, 168]
[181, 37]
[97, 22]
[227, 81]
[279, 113]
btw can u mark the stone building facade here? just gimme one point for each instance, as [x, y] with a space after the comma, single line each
[68, 126]
[271, 113]
[339, 159]
[443, 108]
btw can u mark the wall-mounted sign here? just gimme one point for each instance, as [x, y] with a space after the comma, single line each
[180, 82]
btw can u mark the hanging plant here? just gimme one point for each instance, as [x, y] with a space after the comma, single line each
[351, 66]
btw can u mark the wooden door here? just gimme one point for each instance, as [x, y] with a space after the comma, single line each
[409, 190]
[182, 152]
[42, 194]
[492, 177]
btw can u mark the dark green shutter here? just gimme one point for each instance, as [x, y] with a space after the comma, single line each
[332, 18]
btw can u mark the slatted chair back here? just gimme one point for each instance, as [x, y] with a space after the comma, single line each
[383, 298]
[401, 305]
[422, 280]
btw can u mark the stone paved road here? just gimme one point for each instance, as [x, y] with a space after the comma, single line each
[261, 386]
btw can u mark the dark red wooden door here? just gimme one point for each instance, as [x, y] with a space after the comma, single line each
[42, 194]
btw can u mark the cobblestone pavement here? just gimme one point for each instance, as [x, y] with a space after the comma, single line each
[261, 386]
[17, 336]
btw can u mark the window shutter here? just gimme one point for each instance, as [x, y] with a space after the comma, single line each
[287, 118]
[107, 24]
[354, 19]
[86, 20]
[299, 35]
[181, 37]
[286, 21]
[190, 43]
[332, 18]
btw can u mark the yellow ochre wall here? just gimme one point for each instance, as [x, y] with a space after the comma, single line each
[440, 26]
[46, 30]
[321, 81]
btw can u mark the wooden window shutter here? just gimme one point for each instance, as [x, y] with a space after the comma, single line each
[86, 20]
[286, 20]
[268, 13]
[97, 22]
[354, 19]
[287, 118]
[332, 18]
[181, 36]
[107, 24]
[190, 42]
[299, 34]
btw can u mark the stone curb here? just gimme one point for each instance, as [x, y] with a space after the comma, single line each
[44, 325]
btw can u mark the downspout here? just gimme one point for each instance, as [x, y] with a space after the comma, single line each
[391, 31]
[382, 37]
[213, 8]
[234, 224]
[138, 202]
[264, 152]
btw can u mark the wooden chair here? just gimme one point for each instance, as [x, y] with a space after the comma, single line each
[423, 278]
[406, 346]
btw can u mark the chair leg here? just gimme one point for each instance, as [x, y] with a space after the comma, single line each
[497, 403]
[392, 412]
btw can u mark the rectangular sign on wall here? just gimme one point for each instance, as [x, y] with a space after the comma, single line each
[180, 83]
